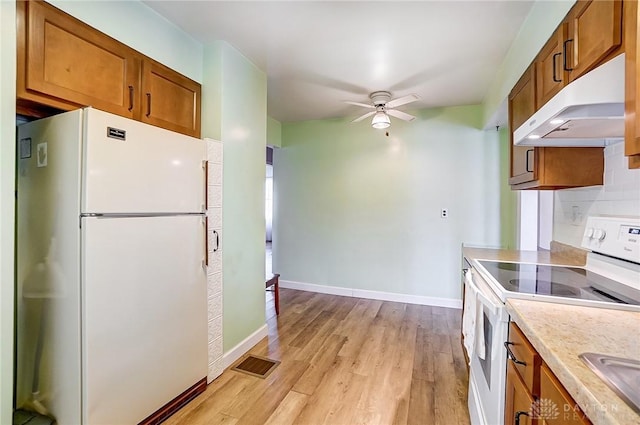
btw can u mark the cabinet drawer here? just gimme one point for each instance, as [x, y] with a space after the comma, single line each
[554, 394]
[524, 358]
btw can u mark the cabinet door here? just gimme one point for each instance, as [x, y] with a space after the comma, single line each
[551, 76]
[595, 29]
[518, 402]
[637, 79]
[170, 100]
[65, 63]
[560, 408]
[522, 105]
[632, 88]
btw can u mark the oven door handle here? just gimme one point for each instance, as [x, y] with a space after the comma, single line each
[493, 307]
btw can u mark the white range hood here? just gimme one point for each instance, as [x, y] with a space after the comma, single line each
[587, 112]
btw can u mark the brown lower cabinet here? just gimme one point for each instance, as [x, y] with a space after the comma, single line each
[546, 167]
[518, 400]
[533, 394]
[65, 64]
[558, 404]
[558, 167]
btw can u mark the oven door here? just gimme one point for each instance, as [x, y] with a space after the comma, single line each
[487, 373]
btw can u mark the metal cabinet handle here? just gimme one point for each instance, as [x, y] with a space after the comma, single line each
[526, 166]
[565, 66]
[512, 356]
[554, 68]
[217, 241]
[130, 98]
[148, 104]
[518, 414]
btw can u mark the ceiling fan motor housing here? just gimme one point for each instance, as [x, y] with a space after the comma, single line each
[380, 98]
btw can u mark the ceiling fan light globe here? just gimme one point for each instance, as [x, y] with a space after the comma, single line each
[380, 120]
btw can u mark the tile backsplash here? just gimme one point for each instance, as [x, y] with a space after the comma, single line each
[620, 195]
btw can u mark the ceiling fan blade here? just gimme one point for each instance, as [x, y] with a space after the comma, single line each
[401, 115]
[364, 105]
[402, 100]
[361, 117]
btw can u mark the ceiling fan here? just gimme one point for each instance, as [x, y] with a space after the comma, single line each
[383, 106]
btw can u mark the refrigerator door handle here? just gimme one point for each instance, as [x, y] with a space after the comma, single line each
[205, 166]
[140, 215]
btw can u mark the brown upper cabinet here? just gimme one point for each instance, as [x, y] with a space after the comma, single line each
[590, 35]
[550, 67]
[522, 104]
[634, 145]
[64, 64]
[546, 167]
[632, 88]
[170, 101]
[595, 31]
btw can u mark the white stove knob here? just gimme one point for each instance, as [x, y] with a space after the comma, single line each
[588, 233]
[599, 234]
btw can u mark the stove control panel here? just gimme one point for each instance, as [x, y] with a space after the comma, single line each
[614, 236]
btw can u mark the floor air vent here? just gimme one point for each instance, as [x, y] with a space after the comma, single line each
[256, 366]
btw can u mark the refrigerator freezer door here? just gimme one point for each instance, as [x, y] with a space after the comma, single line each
[145, 314]
[131, 167]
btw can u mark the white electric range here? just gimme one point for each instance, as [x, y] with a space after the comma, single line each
[610, 279]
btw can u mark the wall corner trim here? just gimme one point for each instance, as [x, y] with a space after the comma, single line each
[243, 346]
[373, 295]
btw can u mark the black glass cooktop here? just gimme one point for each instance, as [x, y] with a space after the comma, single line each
[560, 281]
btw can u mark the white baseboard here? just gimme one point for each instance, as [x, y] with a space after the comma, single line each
[239, 350]
[373, 295]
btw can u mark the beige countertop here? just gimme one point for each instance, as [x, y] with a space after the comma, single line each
[539, 257]
[561, 332]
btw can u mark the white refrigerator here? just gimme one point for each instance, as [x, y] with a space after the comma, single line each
[111, 273]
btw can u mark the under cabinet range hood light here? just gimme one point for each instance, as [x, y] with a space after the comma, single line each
[587, 112]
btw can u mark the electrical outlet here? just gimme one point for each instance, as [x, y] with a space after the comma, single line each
[444, 213]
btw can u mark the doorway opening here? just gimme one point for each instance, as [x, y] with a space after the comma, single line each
[271, 278]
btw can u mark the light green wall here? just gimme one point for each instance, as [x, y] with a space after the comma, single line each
[140, 27]
[212, 92]
[242, 126]
[540, 23]
[7, 170]
[357, 209]
[274, 132]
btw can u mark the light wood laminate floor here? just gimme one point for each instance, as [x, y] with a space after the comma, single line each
[345, 361]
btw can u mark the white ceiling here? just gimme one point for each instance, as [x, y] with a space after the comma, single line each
[318, 53]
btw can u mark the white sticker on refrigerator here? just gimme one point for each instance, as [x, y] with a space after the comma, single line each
[41, 154]
[25, 148]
